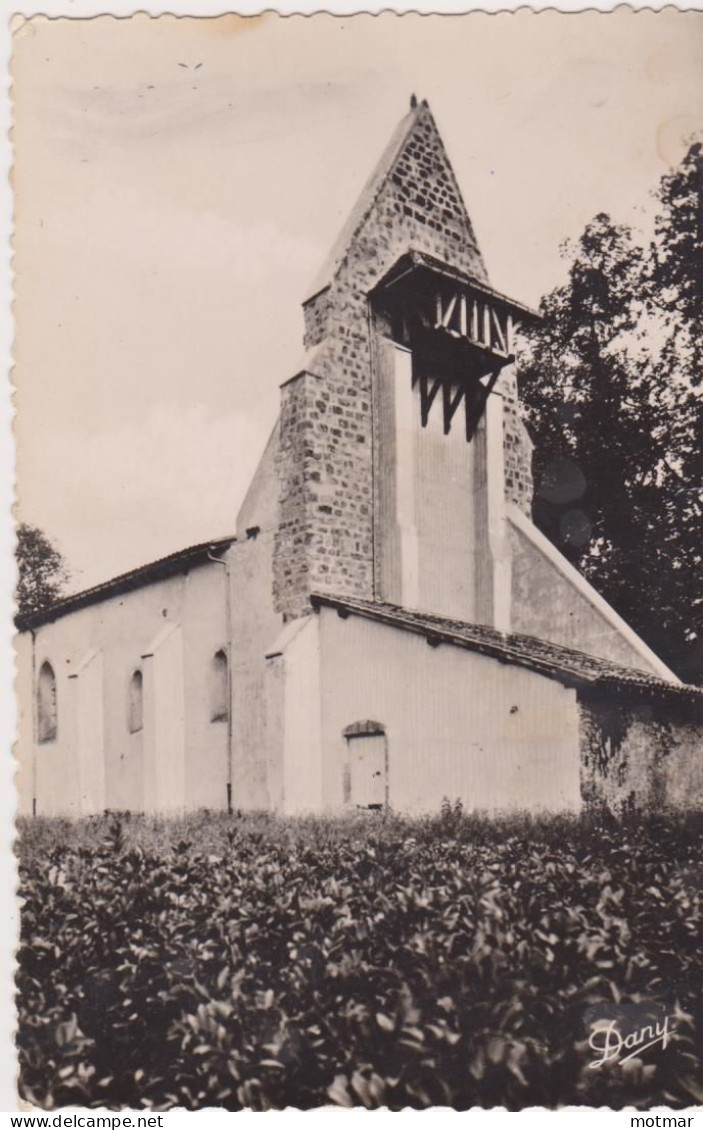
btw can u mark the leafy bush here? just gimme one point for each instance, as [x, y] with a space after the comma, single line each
[262, 962]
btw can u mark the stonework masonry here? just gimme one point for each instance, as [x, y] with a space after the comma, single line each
[326, 459]
[640, 756]
[518, 445]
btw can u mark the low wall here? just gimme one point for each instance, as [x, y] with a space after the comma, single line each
[641, 756]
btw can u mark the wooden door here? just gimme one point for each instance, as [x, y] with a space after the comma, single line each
[367, 771]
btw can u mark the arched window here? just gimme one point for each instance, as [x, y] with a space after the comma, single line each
[46, 704]
[135, 706]
[219, 688]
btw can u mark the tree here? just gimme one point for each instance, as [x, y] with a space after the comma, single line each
[675, 275]
[43, 572]
[611, 381]
[674, 294]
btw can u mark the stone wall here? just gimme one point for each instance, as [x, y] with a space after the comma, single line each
[518, 445]
[640, 756]
[324, 534]
[326, 464]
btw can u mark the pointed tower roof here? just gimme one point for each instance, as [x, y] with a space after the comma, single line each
[419, 118]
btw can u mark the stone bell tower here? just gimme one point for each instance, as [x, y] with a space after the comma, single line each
[400, 440]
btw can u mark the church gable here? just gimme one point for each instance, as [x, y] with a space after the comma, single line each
[259, 509]
[423, 189]
[414, 197]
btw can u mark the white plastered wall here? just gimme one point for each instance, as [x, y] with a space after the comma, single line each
[493, 557]
[86, 690]
[122, 628]
[164, 734]
[442, 542]
[458, 724]
[293, 666]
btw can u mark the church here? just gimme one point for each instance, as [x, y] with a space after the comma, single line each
[386, 627]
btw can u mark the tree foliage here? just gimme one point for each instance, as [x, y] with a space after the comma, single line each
[43, 572]
[611, 381]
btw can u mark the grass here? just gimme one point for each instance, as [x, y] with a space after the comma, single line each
[257, 961]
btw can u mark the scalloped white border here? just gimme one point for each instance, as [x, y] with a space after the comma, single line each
[8, 711]
[76, 9]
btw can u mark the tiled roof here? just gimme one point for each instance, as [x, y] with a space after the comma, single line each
[417, 263]
[125, 582]
[569, 666]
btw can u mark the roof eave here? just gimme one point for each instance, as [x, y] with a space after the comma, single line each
[436, 635]
[126, 582]
[414, 260]
[633, 687]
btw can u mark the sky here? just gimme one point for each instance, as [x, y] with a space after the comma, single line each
[178, 183]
